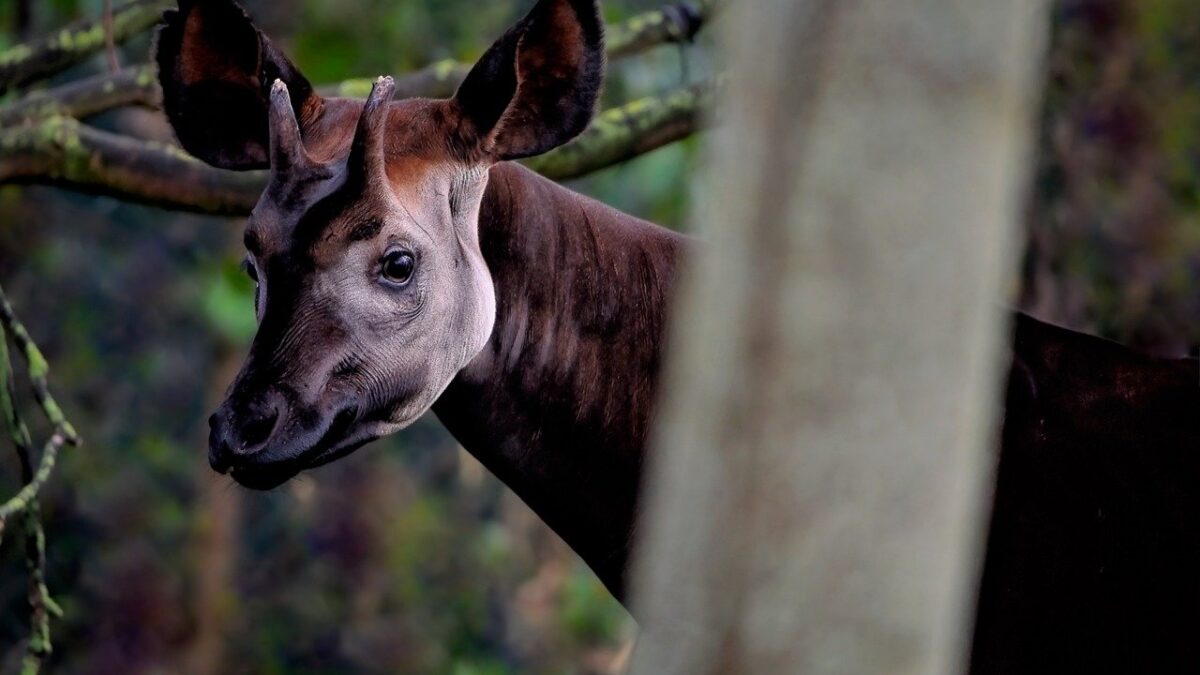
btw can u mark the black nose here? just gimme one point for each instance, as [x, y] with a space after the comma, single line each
[236, 432]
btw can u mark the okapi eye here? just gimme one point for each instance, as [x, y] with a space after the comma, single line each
[398, 266]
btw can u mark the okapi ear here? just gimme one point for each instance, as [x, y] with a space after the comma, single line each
[536, 88]
[216, 69]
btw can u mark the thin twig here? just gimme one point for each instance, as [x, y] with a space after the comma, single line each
[674, 23]
[41, 605]
[18, 433]
[110, 43]
[39, 371]
[43, 57]
[23, 499]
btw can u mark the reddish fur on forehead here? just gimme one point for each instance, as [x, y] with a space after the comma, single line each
[416, 128]
[328, 129]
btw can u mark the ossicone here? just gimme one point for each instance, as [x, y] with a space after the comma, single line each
[286, 141]
[368, 153]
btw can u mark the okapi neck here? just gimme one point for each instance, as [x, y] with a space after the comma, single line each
[559, 401]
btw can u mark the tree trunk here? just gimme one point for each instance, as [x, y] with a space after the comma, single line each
[826, 442]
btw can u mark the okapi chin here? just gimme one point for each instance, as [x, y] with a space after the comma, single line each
[404, 264]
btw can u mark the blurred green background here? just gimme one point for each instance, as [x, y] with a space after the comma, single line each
[408, 557]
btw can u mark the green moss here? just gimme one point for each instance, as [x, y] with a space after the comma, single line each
[15, 54]
[444, 70]
[17, 431]
[146, 77]
[615, 134]
[85, 40]
[355, 88]
[61, 135]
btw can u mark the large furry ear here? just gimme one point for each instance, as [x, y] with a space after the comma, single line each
[216, 69]
[536, 88]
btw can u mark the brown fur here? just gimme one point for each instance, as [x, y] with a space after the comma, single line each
[559, 402]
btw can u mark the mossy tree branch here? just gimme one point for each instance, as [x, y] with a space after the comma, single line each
[42, 142]
[61, 151]
[674, 23]
[24, 503]
[622, 133]
[18, 433]
[437, 80]
[27, 62]
[83, 98]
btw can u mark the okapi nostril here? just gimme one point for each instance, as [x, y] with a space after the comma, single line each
[258, 430]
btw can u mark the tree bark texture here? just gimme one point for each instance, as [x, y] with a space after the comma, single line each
[826, 440]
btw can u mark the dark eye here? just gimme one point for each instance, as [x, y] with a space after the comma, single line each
[398, 266]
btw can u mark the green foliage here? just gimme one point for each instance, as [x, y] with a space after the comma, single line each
[229, 301]
[587, 611]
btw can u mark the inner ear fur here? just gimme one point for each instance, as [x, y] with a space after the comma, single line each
[216, 70]
[537, 86]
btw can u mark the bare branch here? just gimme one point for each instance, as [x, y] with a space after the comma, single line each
[41, 58]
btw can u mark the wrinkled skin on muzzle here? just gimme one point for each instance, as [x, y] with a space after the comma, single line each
[302, 398]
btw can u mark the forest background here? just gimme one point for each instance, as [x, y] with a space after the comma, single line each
[409, 557]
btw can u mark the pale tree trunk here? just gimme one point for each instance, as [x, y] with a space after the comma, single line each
[818, 500]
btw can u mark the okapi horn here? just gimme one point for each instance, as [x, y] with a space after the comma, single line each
[287, 146]
[370, 139]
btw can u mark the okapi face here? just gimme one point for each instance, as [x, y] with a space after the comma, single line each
[372, 291]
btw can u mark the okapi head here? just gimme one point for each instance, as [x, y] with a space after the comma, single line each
[372, 292]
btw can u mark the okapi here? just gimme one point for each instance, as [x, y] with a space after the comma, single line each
[404, 263]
